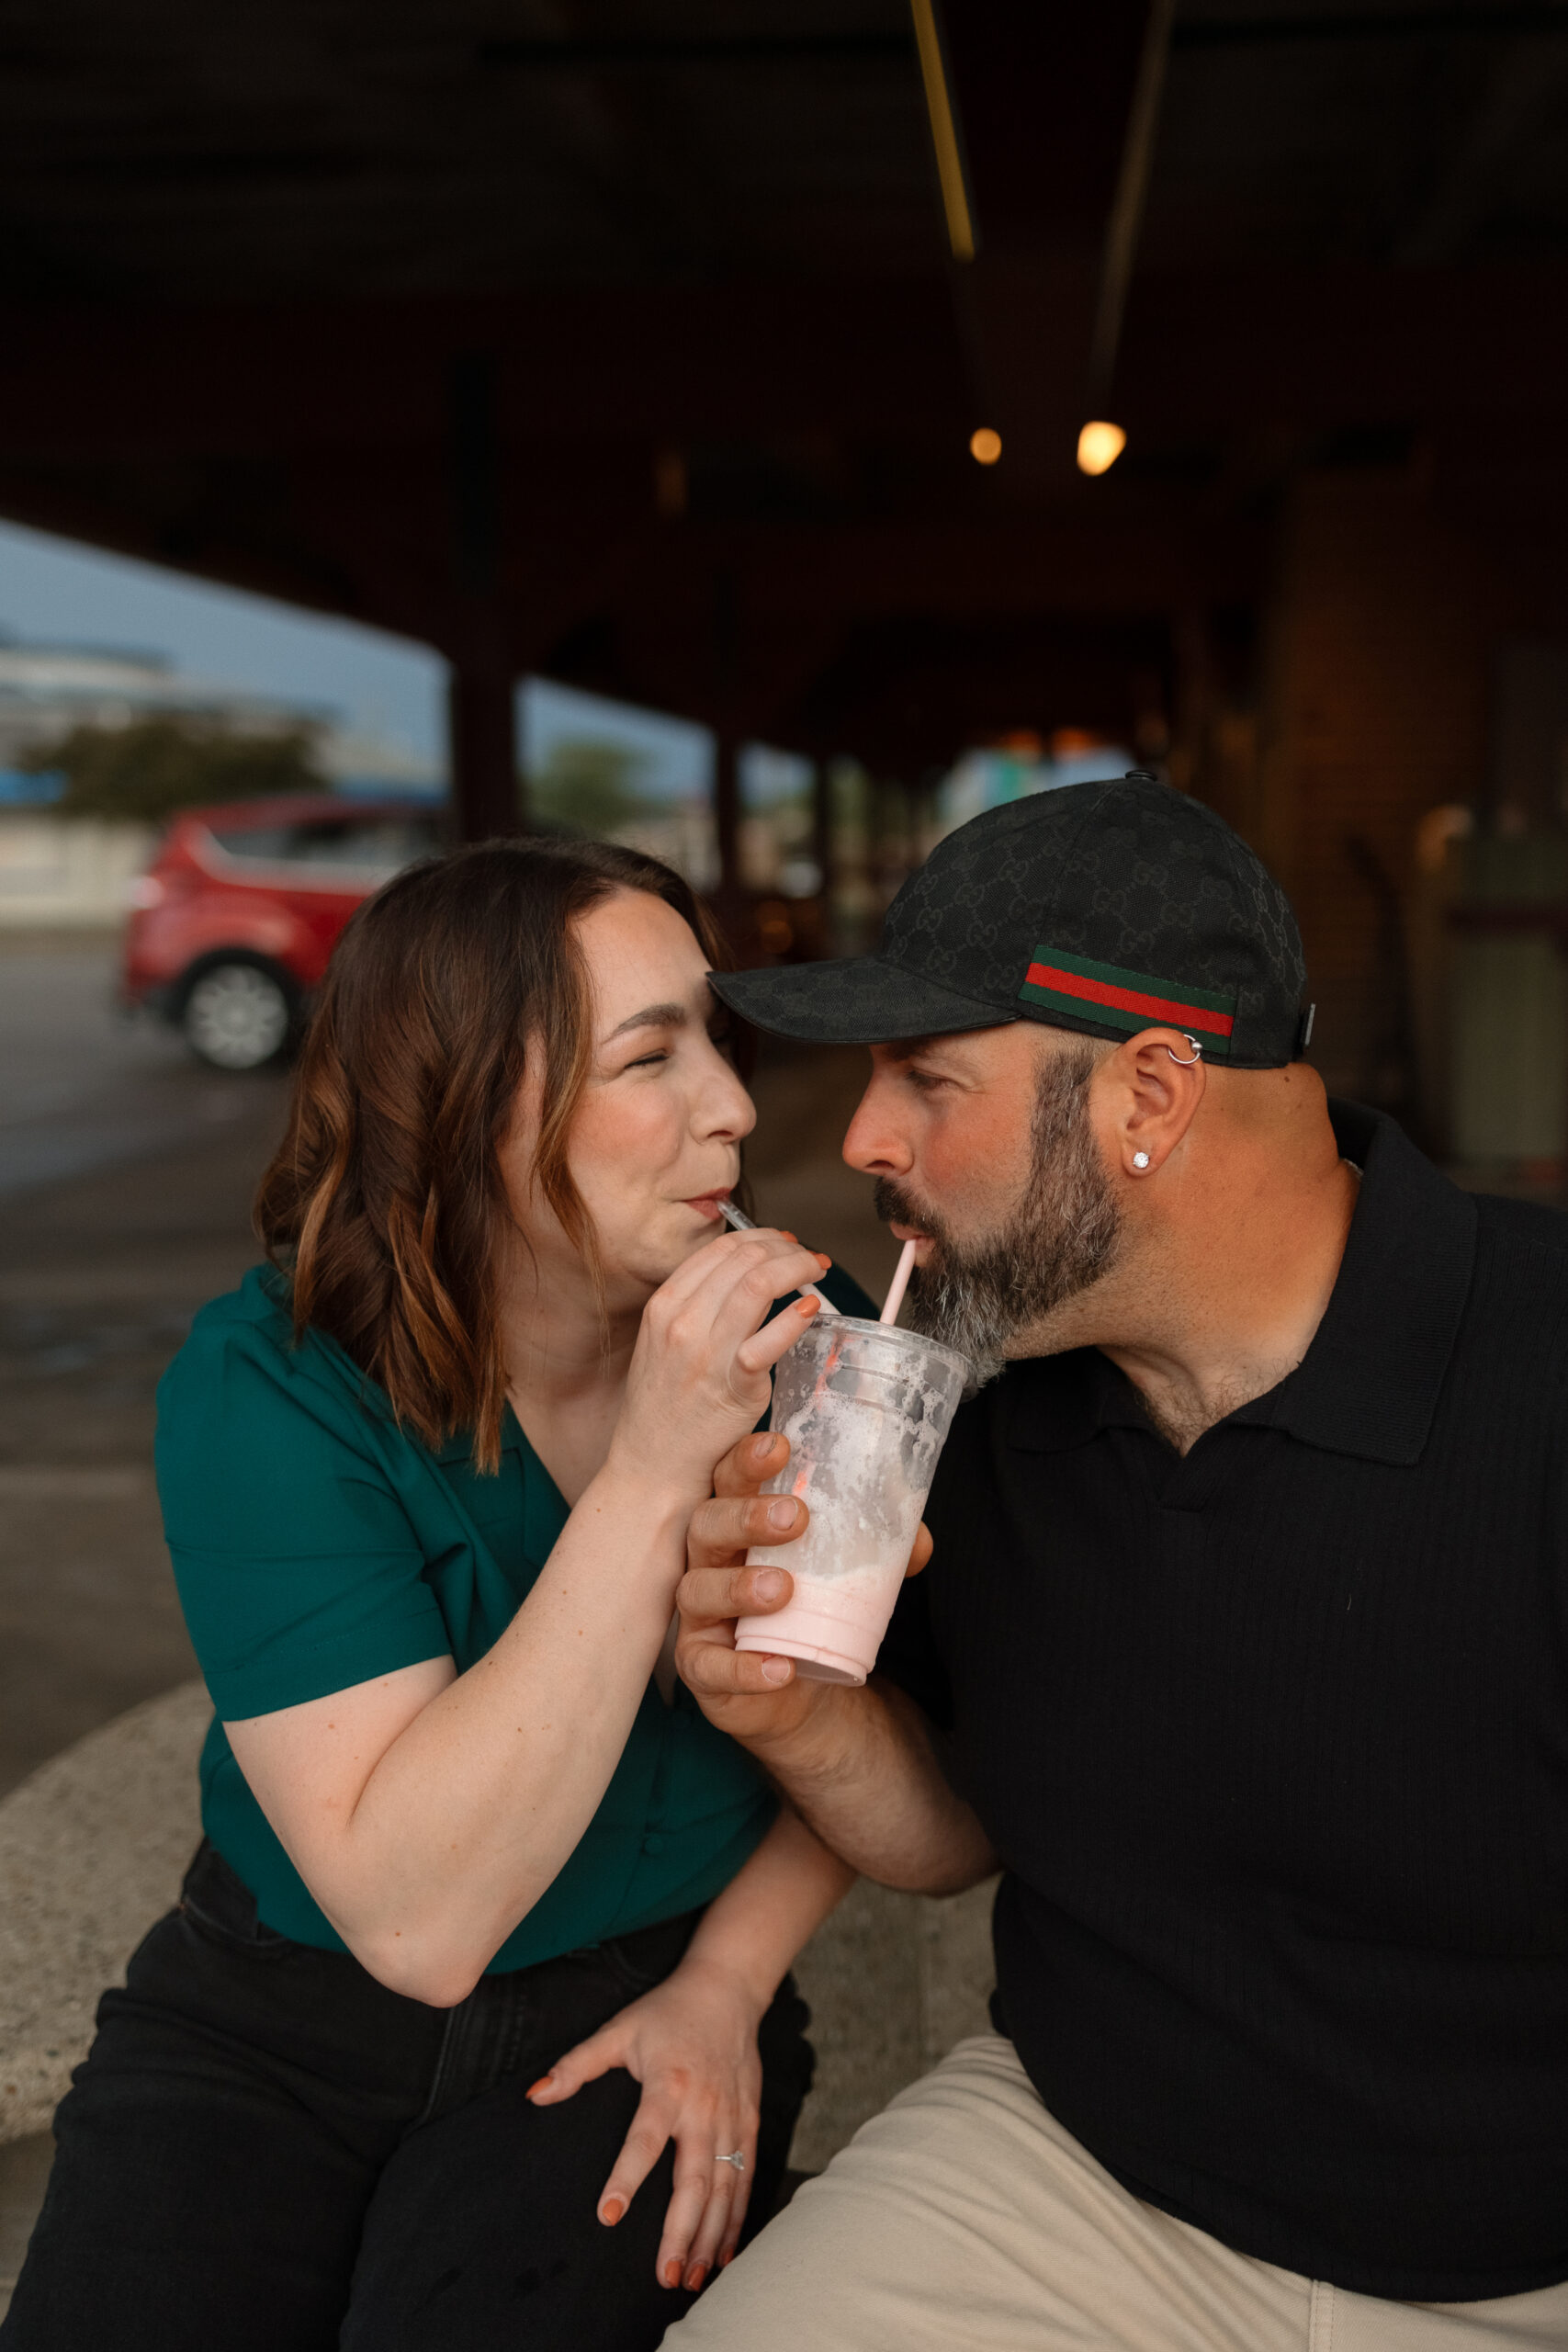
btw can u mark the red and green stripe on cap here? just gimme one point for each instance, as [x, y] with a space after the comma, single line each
[1057, 982]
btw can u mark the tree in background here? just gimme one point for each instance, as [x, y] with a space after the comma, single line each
[589, 787]
[150, 768]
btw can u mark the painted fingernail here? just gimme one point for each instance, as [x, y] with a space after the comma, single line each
[776, 1669]
[672, 2274]
[611, 2210]
[767, 1584]
[695, 2276]
[781, 1511]
[726, 2257]
[543, 2084]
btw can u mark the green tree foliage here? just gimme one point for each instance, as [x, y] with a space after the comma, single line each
[152, 767]
[589, 787]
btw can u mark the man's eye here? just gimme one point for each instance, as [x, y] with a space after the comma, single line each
[925, 1081]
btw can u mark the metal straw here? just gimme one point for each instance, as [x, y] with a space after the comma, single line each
[744, 1224]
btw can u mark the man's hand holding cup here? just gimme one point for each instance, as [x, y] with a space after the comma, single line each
[756, 1698]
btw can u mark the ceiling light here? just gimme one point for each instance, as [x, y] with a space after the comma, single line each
[985, 447]
[1099, 446]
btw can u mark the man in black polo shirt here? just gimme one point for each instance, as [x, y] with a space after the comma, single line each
[1244, 1649]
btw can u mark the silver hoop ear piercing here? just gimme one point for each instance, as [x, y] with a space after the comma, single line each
[1185, 1061]
[1141, 1158]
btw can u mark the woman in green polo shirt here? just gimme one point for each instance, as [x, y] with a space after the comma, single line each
[468, 2030]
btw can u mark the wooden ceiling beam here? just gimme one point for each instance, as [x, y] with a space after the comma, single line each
[1046, 100]
[742, 361]
[1205, 353]
[1218, 353]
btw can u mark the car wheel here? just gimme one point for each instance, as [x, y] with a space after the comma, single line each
[237, 1016]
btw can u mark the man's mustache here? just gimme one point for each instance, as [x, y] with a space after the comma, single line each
[894, 1206]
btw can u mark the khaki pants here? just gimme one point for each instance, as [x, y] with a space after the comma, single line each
[964, 2219]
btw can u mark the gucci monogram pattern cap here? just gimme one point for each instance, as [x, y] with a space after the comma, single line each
[1103, 908]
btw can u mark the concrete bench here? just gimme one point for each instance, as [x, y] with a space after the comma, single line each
[93, 1847]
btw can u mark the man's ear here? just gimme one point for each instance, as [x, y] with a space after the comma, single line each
[1155, 1083]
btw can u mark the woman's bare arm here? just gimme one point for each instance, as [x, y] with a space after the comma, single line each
[773, 1905]
[428, 1811]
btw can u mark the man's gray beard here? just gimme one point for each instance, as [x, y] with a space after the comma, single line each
[978, 1296]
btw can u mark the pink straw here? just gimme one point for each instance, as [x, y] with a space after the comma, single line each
[899, 1285]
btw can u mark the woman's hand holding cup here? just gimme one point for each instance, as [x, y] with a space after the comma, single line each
[699, 1374]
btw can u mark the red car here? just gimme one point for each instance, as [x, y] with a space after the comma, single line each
[233, 920]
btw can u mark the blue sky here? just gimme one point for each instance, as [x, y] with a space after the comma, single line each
[55, 592]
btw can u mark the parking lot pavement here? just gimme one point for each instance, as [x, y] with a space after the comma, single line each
[82, 1086]
[126, 1171]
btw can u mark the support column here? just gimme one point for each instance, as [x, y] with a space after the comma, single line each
[822, 842]
[482, 721]
[726, 814]
[482, 734]
[724, 618]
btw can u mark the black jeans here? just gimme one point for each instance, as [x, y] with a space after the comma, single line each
[266, 2151]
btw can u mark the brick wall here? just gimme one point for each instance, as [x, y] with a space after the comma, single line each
[1377, 654]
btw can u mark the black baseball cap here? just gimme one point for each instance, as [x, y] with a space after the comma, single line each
[1104, 907]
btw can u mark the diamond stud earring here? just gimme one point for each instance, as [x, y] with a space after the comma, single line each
[1140, 1159]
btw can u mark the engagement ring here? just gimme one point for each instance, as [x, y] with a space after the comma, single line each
[737, 2160]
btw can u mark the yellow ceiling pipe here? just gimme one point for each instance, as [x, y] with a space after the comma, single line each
[944, 132]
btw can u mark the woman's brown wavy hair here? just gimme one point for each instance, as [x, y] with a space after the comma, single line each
[385, 1206]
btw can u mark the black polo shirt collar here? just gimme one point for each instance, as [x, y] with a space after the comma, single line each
[1368, 1384]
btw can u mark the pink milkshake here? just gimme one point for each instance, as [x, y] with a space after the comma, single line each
[866, 1408]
